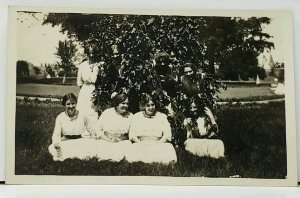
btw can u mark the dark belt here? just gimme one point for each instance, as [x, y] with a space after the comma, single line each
[73, 136]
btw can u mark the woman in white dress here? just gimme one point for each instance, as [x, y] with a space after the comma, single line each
[86, 78]
[151, 133]
[69, 138]
[113, 127]
[202, 132]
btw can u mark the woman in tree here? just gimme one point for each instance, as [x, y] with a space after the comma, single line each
[86, 78]
[113, 128]
[191, 80]
[69, 130]
[150, 131]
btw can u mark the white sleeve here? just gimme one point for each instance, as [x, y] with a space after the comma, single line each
[101, 122]
[133, 128]
[56, 137]
[167, 133]
[79, 77]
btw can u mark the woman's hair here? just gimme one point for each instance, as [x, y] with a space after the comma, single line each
[145, 98]
[118, 98]
[162, 57]
[69, 96]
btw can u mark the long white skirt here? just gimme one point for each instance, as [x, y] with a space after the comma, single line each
[108, 151]
[152, 152]
[205, 147]
[85, 104]
[82, 148]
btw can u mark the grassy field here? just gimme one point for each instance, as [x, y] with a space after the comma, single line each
[253, 135]
[44, 90]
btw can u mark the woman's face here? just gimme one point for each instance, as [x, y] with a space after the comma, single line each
[70, 107]
[122, 108]
[188, 71]
[150, 108]
[193, 109]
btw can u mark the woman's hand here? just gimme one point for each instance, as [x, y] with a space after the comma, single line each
[210, 115]
[187, 122]
[57, 146]
[208, 112]
[102, 136]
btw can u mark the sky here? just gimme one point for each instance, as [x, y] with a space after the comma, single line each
[37, 43]
[275, 29]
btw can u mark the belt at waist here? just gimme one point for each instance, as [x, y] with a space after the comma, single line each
[72, 136]
[87, 83]
[149, 138]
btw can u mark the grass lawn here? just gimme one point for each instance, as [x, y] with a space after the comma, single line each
[253, 135]
[57, 91]
[45, 90]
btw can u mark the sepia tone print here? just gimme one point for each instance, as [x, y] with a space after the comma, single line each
[174, 97]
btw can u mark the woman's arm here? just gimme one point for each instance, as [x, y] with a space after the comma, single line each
[101, 135]
[167, 134]
[210, 115]
[80, 81]
[56, 137]
[213, 128]
[133, 130]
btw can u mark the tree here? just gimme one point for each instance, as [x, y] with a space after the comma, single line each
[127, 45]
[22, 68]
[66, 51]
[37, 70]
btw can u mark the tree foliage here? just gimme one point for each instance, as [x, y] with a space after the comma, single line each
[22, 68]
[37, 70]
[67, 52]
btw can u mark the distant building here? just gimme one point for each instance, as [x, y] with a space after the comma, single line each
[36, 70]
[26, 68]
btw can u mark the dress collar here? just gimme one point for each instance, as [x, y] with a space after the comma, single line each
[147, 116]
[73, 117]
[124, 116]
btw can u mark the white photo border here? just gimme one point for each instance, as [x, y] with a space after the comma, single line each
[291, 179]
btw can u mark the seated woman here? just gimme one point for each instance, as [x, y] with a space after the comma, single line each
[202, 131]
[150, 131]
[67, 141]
[113, 127]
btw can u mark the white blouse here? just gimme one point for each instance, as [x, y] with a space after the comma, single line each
[87, 73]
[114, 124]
[64, 125]
[156, 126]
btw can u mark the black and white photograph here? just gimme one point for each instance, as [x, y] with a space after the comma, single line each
[174, 97]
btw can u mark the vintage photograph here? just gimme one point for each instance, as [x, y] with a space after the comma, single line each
[173, 97]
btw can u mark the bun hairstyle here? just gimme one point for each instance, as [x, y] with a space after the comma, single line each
[162, 55]
[145, 98]
[118, 98]
[69, 96]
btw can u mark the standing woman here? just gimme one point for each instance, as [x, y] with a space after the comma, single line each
[86, 78]
[151, 133]
[113, 128]
[67, 138]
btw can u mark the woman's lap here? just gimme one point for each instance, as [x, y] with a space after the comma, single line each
[152, 152]
[205, 147]
[81, 148]
[85, 148]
